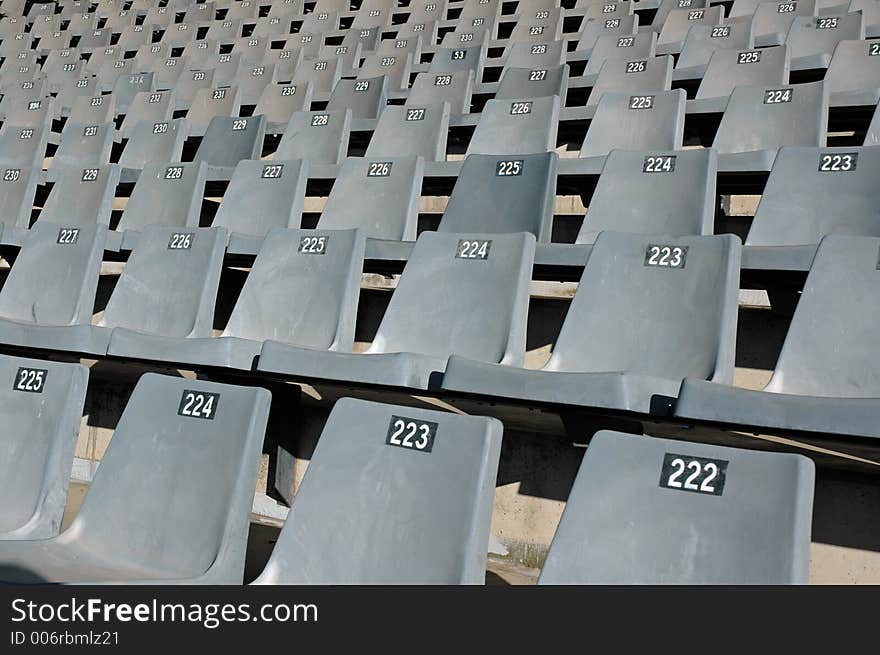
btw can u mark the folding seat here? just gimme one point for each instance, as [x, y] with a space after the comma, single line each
[320, 137]
[729, 69]
[132, 38]
[149, 57]
[159, 142]
[111, 71]
[210, 103]
[18, 185]
[262, 196]
[290, 266]
[229, 140]
[160, 17]
[84, 145]
[201, 14]
[168, 72]
[454, 88]
[653, 192]
[677, 291]
[127, 87]
[49, 296]
[285, 62]
[489, 274]
[225, 31]
[668, 6]
[453, 60]
[252, 50]
[744, 515]
[368, 17]
[812, 192]
[94, 188]
[149, 106]
[31, 113]
[679, 21]
[426, 29]
[365, 98]
[636, 76]
[272, 28]
[772, 20]
[41, 404]
[812, 39]
[533, 83]
[120, 21]
[600, 10]
[743, 10]
[201, 53]
[872, 136]
[466, 37]
[395, 68]
[14, 43]
[825, 380]
[23, 145]
[381, 197]
[411, 130]
[227, 69]
[44, 24]
[20, 69]
[246, 10]
[332, 511]
[401, 46]
[311, 33]
[93, 110]
[348, 54]
[166, 195]
[761, 119]
[851, 77]
[497, 194]
[161, 508]
[51, 41]
[870, 15]
[427, 10]
[21, 94]
[99, 57]
[189, 84]
[538, 26]
[613, 47]
[62, 66]
[286, 8]
[635, 122]
[516, 127]
[279, 102]
[703, 40]
[82, 23]
[94, 40]
[536, 55]
[322, 73]
[485, 15]
[10, 26]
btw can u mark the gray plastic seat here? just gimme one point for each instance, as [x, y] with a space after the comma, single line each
[41, 403]
[812, 39]
[429, 524]
[166, 194]
[263, 195]
[302, 290]
[201, 53]
[852, 78]
[92, 110]
[635, 122]
[126, 87]
[209, 104]
[679, 21]
[703, 40]
[548, 54]
[653, 192]
[622, 48]
[533, 83]
[596, 29]
[18, 185]
[729, 69]
[537, 26]
[812, 192]
[167, 289]
[48, 298]
[229, 140]
[188, 85]
[84, 145]
[227, 69]
[152, 107]
[411, 130]
[379, 196]
[253, 81]
[761, 119]
[161, 508]
[394, 68]
[154, 142]
[772, 20]
[667, 6]
[423, 324]
[365, 98]
[500, 194]
[93, 187]
[825, 380]
[745, 518]
[279, 102]
[23, 145]
[516, 127]
[649, 311]
[321, 137]
[36, 113]
[324, 74]
[638, 76]
[454, 88]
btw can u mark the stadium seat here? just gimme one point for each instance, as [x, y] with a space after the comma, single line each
[434, 508]
[395, 69]
[324, 74]
[94, 188]
[127, 86]
[84, 145]
[23, 145]
[379, 196]
[500, 194]
[41, 403]
[229, 140]
[812, 39]
[210, 103]
[365, 98]
[622, 48]
[772, 20]
[703, 40]
[411, 130]
[166, 194]
[595, 29]
[518, 83]
[852, 78]
[189, 85]
[454, 88]
[729, 69]
[161, 508]
[825, 380]
[516, 127]
[680, 21]
[667, 6]
[536, 55]
[154, 142]
[278, 102]
[761, 119]
[320, 137]
[636, 76]
[151, 107]
[674, 194]
[677, 291]
[423, 324]
[718, 516]
[18, 186]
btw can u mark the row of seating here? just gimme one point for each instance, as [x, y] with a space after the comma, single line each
[171, 499]
[296, 315]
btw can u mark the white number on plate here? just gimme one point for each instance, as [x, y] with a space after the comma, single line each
[508, 167]
[68, 235]
[31, 380]
[180, 241]
[748, 57]
[174, 172]
[415, 114]
[778, 96]
[442, 80]
[636, 66]
[89, 174]
[839, 162]
[696, 474]
[313, 245]
[411, 433]
[239, 124]
[379, 169]
[827, 23]
[641, 102]
[272, 171]
[666, 256]
[659, 164]
[198, 404]
[473, 248]
[519, 108]
[11, 174]
[537, 75]
[626, 42]
[721, 32]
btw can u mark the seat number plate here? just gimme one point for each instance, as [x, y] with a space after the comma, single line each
[198, 404]
[666, 256]
[411, 434]
[695, 474]
[31, 380]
